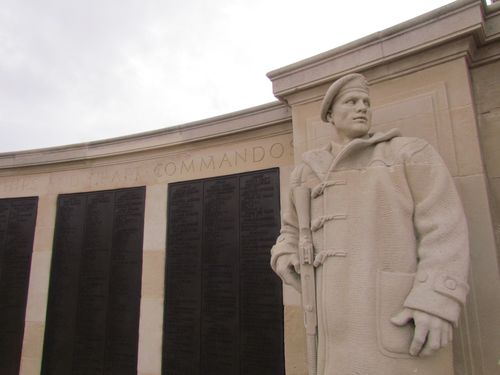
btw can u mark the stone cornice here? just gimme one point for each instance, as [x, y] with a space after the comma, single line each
[232, 123]
[456, 20]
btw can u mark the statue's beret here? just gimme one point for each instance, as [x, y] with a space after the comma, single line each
[347, 82]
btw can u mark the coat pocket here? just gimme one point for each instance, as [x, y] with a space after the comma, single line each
[392, 290]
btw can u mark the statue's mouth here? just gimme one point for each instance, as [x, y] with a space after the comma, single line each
[360, 118]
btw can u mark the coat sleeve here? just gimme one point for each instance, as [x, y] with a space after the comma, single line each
[287, 242]
[440, 285]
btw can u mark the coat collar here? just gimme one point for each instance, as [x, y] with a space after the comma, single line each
[322, 162]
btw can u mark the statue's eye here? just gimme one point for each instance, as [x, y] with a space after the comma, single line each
[350, 101]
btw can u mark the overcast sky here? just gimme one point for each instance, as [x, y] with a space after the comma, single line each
[76, 71]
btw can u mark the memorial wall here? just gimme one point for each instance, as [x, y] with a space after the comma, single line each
[148, 254]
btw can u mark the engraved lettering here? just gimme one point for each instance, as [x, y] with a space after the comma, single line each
[158, 170]
[131, 174]
[225, 159]
[228, 159]
[237, 156]
[170, 168]
[116, 177]
[258, 153]
[211, 163]
[187, 167]
[277, 150]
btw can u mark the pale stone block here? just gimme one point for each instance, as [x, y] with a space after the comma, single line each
[490, 141]
[455, 75]
[489, 94]
[295, 341]
[153, 274]
[487, 87]
[449, 81]
[30, 366]
[430, 31]
[306, 120]
[36, 306]
[47, 209]
[467, 354]
[44, 237]
[290, 296]
[150, 336]
[40, 270]
[413, 116]
[318, 133]
[45, 223]
[494, 184]
[24, 186]
[446, 142]
[155, 218]
[465, 137]
[38, 286]
[71, 181]
[484, 270]
[33, 340]
[155, 235]
[285, 172]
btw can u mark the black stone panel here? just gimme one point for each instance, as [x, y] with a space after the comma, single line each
[261, 308]
[125, 283]
[94, 295]
[17, 229]
[220, 281]
[181, 346]
[62, 306]
[235, 300]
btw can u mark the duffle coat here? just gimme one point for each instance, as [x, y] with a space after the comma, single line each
[389, 230]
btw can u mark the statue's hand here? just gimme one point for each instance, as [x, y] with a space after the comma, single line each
[288, 268]
[431, 332]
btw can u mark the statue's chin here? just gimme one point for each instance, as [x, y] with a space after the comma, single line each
[358, 130]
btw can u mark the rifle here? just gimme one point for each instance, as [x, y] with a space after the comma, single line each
[302, 197]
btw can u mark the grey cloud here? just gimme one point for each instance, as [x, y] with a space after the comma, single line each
[73, 71]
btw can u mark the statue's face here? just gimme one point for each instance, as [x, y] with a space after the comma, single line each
[351, 113]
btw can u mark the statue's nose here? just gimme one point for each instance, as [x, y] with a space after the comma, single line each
[362, 106]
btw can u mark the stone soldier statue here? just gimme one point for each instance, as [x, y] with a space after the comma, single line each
[387, 238]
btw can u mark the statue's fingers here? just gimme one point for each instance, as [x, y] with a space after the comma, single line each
[402, 318]
[445, 334]
[291, 278]
[433, 342]
[320, 259]
[296, 264]
[419, 338]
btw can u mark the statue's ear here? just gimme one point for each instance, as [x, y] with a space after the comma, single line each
[329, 117]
